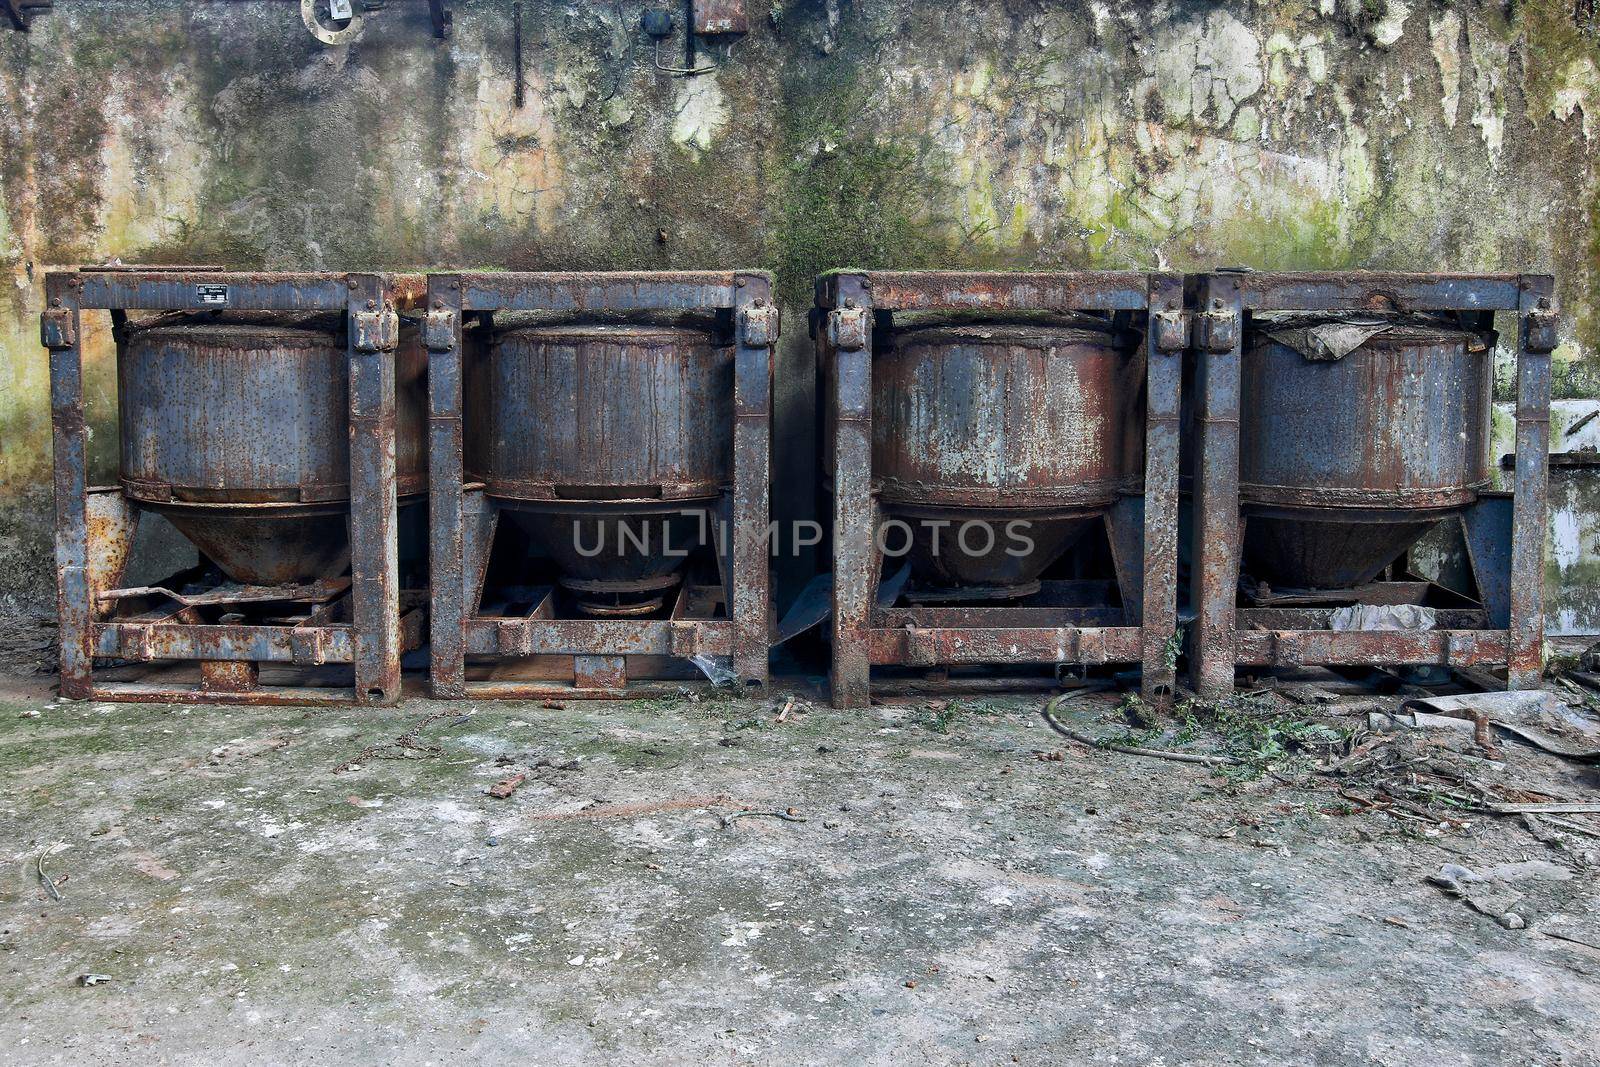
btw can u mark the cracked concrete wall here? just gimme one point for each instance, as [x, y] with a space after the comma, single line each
[871, 133]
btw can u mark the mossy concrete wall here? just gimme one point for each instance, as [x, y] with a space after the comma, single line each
[874, 133]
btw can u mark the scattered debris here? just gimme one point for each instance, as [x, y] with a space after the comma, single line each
[630, 811]
[1082, 738]
[506, 786]
[31, 713]
[241, 748]
[787, 815]
[1492, 891]
[1536, 716]
[783, 716]
[407, 746]
[94, 979]
[1545, 809]
[55, 894]
[553, 705]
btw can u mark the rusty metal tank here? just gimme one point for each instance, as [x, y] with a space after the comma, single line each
[998, 444]
[608, 441]
[235, 426]
[1358, 434]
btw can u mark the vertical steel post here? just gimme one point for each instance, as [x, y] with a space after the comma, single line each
[60, 333]
[854, 559]
[1535, 340]
[755, 320]
[447, 573]
[1166, 341]
[1218, 335]
[373, 330]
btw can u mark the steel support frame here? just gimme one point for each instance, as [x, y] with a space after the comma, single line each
[598, 647]
[229, 654]
[849, 302]
[1223, 300]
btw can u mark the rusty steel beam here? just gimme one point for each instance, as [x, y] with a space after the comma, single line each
[1217, 337]
[1004, 644]
[60, 332]
[1536, 338]
[750, 598]
[448, 579]
[262, 696]
[596, 291]
[163, 290]
[1375, 291]
[600, 637]
[1351, 648]
[988, 290]
[848, 343]
[150, 642]
[373, 333]
[634, 689]
[1166, 340]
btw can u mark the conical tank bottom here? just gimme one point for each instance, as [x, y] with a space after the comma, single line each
[997, 549]
[615, 548]
[267, 545]
[1329, 548]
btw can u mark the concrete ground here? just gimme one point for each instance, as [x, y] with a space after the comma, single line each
[269, 885]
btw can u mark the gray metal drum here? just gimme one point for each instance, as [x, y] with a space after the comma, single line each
[236, 428]
[1358, 434]
[980, 426]
[616, 436]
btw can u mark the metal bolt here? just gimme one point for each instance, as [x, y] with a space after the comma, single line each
[371, 304]
[438, 305]
[55, 301]
[351, 283]
[1544, 303]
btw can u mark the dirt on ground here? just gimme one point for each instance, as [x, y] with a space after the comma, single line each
[775, 882]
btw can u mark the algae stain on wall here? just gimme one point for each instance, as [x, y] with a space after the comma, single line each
[869, 133]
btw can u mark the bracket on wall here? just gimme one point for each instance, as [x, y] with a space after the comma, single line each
[18, 14]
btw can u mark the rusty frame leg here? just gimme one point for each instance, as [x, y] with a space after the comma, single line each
[600, 672]
[1218, 330]
[749, 608]
[849, 328]
[446, 566]
[227, 677]
[1535, 340]
[374, 545]
[74, 608]
[1166, 340]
